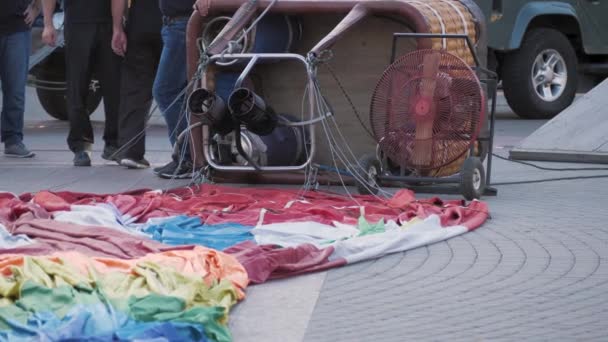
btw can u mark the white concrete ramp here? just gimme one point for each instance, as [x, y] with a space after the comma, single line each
[578, 134]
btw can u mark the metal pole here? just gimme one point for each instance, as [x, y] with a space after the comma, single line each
[394, 49]
[245, 73]
[491, 147]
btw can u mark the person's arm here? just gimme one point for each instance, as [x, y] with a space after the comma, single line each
[202, 7]
[32, 12]
[49, 34]
[119, 38]
[119, 8]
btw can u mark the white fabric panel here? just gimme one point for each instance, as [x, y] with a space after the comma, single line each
[290, 234]
[349, 245]
[8, 241]
[104, 215]
[422, 233]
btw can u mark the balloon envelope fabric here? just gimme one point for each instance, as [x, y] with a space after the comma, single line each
[169, 265]
[185, 293]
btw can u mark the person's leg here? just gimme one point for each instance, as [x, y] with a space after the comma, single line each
[14, 60]
[138, 73]
[170, 82]
[108, 72]
[80, 44]
[171, 78]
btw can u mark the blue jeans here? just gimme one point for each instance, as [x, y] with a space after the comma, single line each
[171, 79]
[14, 61]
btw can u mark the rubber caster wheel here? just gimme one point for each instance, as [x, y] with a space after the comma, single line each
[372, 168]
[472, 179]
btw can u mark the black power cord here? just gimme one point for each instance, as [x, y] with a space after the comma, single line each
[545, 180]
[349, 99]
[550, 168]
[550, 180]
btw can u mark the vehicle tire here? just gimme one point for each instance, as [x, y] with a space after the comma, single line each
[372, 168]
[54, 101]
[472, 179]
[540, 78]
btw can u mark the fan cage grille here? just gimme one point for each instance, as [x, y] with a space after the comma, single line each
[426, 116]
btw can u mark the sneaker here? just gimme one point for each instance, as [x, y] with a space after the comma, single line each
[18, 150]
[184, 171]
[110, 153]
[82, 158]
[135, 163]
[169, 167]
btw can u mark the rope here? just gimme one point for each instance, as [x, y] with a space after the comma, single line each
[335, 148]
[255, 22]
[462, 18]
[438, 17]
[350, 101]
[147, 120]
[331, 143]
[353, 168]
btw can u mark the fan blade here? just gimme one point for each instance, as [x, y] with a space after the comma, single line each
[423, 148]
[426, 112]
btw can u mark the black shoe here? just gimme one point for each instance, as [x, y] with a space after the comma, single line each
[184, 171]
[110, 153]
[170, 166]
[82, 158]
[135, 163]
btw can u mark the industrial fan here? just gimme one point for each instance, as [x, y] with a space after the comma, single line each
[426, 114]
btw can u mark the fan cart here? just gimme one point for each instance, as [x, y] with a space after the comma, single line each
[428, 118]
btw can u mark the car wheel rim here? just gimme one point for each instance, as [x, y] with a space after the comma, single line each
[477, 179]
[549, 75]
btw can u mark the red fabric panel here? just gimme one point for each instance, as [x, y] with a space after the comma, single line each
[50, 201]
[93, 241]
[221, 204]
[268, 262]
[81, 197]
[11, 209]
[472, 217]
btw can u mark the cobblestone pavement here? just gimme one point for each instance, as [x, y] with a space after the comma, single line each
[537, 271]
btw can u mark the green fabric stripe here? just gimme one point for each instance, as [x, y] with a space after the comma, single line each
[151, 293]
[153, 307]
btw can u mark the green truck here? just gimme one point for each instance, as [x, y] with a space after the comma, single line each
[546, 51]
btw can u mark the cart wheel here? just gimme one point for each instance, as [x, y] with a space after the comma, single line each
[372, 168]
[472, 178]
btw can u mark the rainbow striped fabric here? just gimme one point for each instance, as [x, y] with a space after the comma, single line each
[169, 265]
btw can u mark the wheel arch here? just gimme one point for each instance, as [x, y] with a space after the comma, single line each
[543, 14]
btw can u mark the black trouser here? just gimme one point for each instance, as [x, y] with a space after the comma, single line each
[89, 55]
[138, 73]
